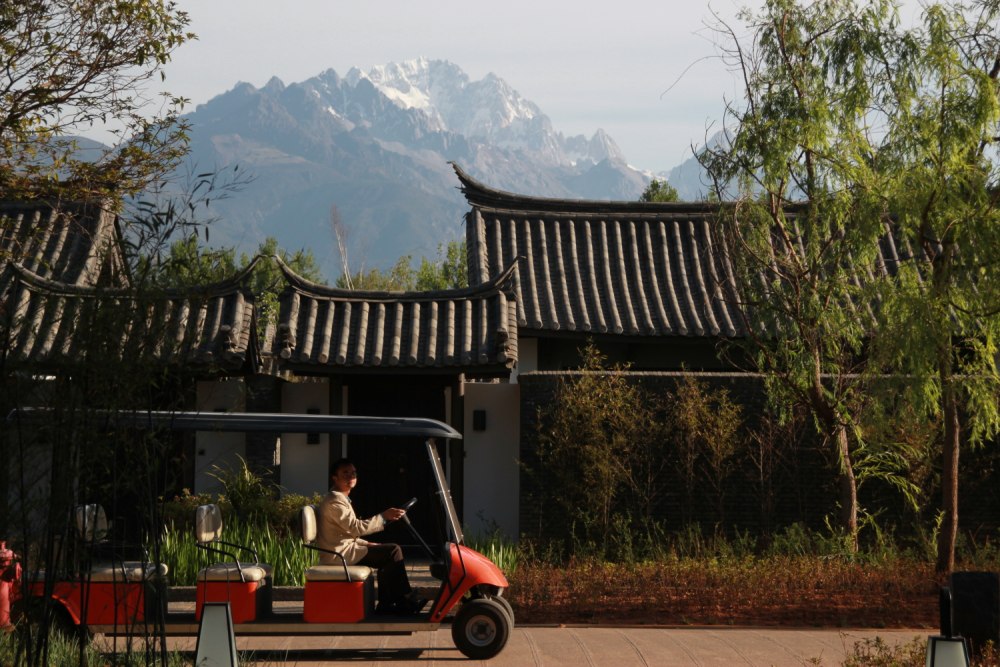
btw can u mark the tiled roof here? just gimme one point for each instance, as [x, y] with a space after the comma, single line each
[628, 268]
[470, 329]
[52, 324]
[73, 243]
[631, 268]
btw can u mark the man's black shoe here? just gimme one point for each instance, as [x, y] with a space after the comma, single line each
[413, 604]
[389, 609]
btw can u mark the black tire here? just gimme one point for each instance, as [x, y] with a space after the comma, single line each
[506, 606]
[481, 628]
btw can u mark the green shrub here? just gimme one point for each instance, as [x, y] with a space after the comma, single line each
[600, 456]
[246, 490]
[179, 511]
[877, 653]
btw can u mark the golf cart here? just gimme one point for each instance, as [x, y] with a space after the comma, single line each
[115, 596]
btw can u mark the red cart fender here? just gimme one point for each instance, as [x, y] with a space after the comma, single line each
[468, 568]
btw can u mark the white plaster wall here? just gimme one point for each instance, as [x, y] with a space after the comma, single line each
[213, 449]
[491, 459]
[304, 467]
[527, 357]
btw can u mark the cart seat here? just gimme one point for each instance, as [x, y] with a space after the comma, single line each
[338, 593]
[230, 572]
[126, 571]
[208, 533]
[246, 586]
[338, 573]
[92, 530]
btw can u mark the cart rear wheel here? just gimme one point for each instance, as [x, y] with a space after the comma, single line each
[481, 628]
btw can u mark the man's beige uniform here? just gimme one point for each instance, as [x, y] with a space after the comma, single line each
[339, 529]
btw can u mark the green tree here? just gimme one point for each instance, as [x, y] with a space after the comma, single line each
[189, 265]
[448, 271]
[855, 132]
[659, 191]
[399, 278]
[70, 64]
[810, 212]
[267, 281]
[944, 197]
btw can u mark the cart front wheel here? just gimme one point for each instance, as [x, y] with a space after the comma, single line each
[502, 601]
[481, 628]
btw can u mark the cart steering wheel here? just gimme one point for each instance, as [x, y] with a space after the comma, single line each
[406, 519]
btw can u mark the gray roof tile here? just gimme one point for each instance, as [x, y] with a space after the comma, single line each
[71, 242]
[53, 324]
[627, 268]
[324, 327]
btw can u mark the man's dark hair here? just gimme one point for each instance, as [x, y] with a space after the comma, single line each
[338, 464]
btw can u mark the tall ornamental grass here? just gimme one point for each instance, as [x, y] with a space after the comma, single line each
[284, 552]
[498, 548]
[64, 650]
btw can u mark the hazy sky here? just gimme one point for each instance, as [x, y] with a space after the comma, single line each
[645, 71]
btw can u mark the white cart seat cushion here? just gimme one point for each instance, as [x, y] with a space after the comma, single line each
[207, 523]
[127, 571]
[336, 573]
[229, 572]
[91, 522]
[307, 520]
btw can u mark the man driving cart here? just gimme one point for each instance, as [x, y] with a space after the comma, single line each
[340, 530]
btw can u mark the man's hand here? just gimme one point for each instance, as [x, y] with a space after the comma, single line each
[393, 514]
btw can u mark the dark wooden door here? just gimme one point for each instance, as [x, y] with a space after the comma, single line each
[393, 470]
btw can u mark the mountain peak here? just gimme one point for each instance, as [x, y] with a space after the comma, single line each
[377, 143]
[444, 91]
[274, 85]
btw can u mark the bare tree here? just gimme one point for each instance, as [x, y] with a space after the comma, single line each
[340, 232]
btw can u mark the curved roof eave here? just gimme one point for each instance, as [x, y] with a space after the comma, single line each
[500, 282]
[483, 196]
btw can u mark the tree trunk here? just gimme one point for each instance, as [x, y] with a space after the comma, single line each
[942, 266]
[949, 476]
[848, 488]
[836, 431]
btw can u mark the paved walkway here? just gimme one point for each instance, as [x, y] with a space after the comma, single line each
[576, 646]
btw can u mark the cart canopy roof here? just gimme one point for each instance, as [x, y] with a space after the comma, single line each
[272, 422]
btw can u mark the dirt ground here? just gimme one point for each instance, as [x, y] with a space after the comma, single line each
[817, 611]
[852, 597]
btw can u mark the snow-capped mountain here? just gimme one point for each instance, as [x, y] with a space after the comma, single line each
[488, 110]
[376, 144]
